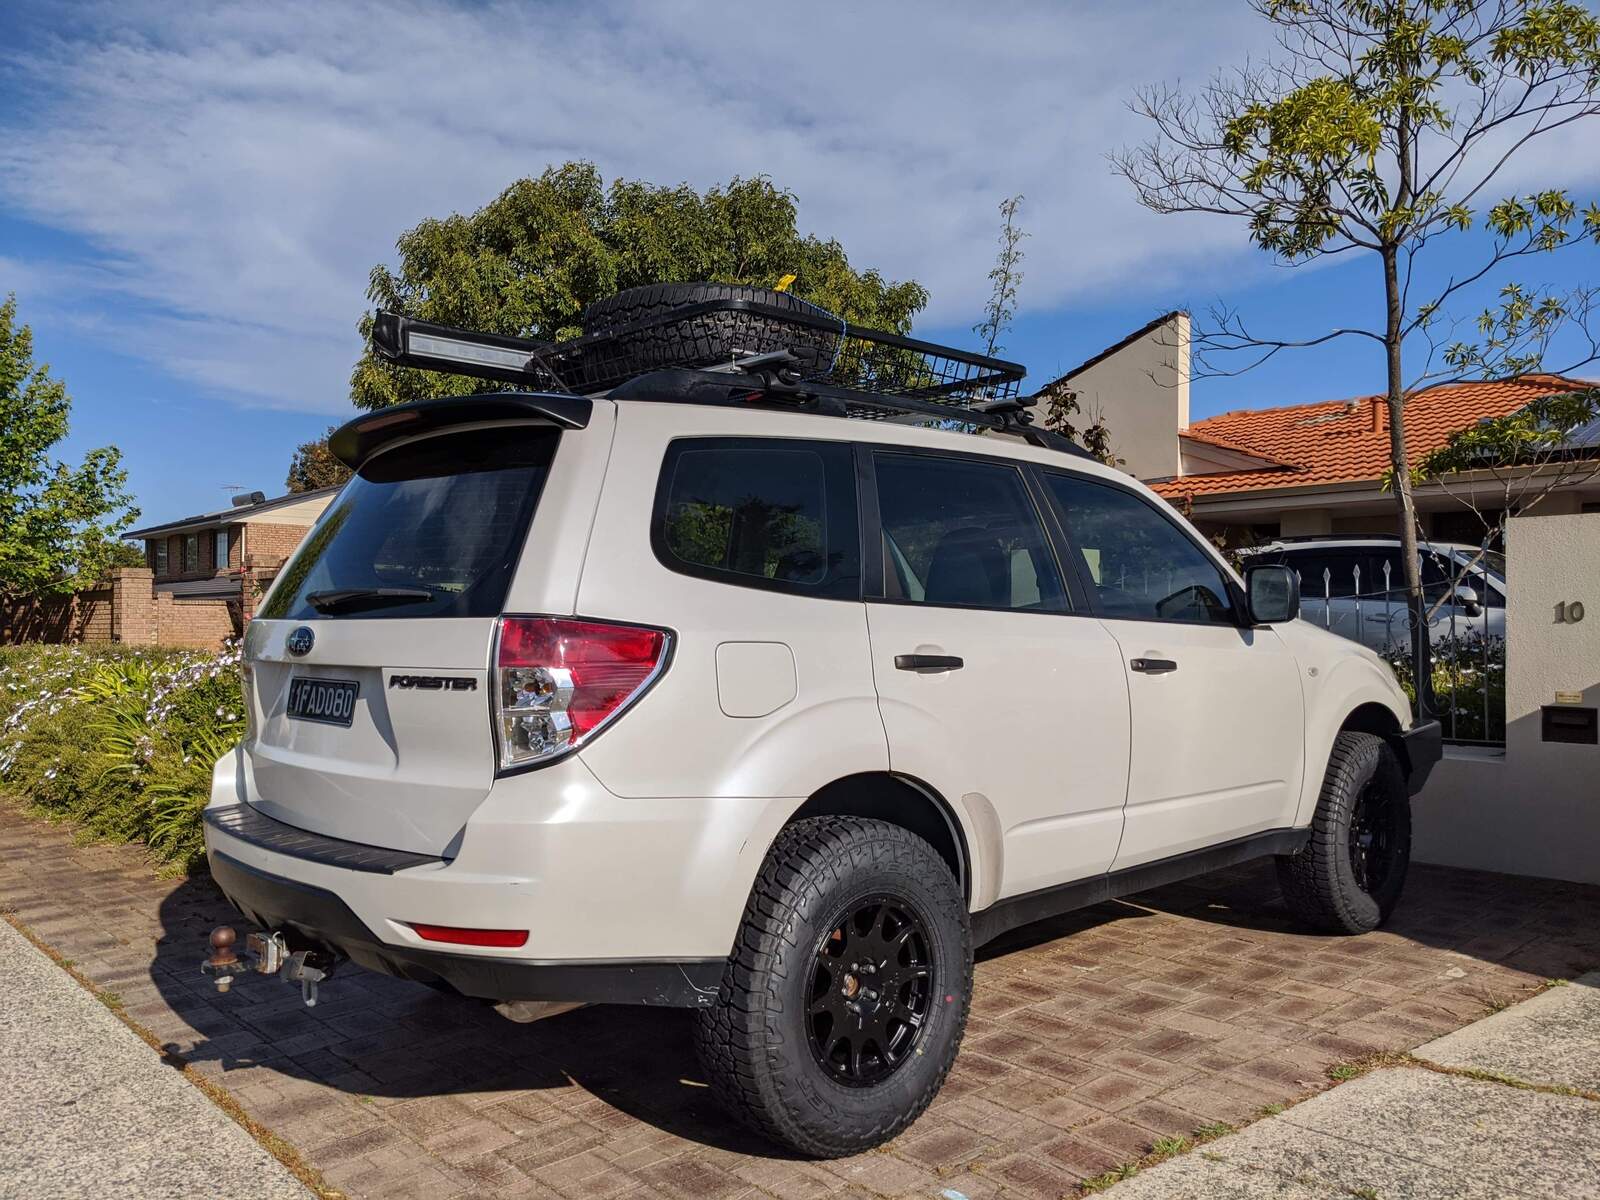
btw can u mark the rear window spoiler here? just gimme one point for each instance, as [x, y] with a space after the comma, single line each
[354, 442]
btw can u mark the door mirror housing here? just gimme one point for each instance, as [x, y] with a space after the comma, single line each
[1272, 594]
[1469, 602]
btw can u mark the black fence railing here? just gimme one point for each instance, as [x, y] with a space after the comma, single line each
[1466, 637]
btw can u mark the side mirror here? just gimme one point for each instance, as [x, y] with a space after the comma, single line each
[1272, 594]
[1469, 602]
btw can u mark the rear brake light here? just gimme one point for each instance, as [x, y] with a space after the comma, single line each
[558, 681]
[471, 937]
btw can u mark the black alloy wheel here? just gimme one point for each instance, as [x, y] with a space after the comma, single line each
[872, 985]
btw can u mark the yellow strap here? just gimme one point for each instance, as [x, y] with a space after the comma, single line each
[783, 284]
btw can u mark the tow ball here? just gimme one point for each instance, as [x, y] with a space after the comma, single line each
[265, 954]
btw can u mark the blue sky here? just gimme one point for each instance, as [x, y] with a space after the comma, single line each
[191, 197]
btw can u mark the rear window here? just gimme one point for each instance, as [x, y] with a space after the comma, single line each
[761, 512]
[429, 529]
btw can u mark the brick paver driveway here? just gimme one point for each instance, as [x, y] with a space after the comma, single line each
[1091, 1035]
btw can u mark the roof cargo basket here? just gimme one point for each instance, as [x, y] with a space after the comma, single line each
[708, 334]
[760, 348]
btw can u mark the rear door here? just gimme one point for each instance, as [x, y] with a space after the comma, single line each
[995, 687]
[367, 663]
[1218, 730]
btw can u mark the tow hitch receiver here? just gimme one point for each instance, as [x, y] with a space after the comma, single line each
[266, 954]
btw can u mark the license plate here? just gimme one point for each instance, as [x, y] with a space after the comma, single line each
[328, 701]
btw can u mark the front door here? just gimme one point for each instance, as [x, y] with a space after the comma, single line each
[1218, 733]
[990, 680]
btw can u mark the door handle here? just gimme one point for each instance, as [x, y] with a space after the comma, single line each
[927, 664]
[1153, 666]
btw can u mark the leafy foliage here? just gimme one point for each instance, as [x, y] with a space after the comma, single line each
[1378, 131]
[530, 261]
[314, 466]
[58, 524]
[1005, 278]
[1469, 685]
[120, 741]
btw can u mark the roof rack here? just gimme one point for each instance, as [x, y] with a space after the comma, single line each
[868, 374]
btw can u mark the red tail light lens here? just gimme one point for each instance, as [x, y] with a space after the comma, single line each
[457, 936]
[557, 681]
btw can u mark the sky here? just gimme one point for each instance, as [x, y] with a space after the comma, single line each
[192, 197]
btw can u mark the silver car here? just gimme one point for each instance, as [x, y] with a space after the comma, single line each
[1354, 586]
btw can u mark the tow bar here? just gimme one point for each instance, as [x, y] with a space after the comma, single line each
[266, 954]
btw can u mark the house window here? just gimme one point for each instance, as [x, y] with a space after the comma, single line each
[191, 553]
[221, 562]
[158, 556]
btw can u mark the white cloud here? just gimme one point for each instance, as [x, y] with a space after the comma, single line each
[241, 170]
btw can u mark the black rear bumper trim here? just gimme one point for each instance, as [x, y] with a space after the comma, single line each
[250, 824]
[321, 918]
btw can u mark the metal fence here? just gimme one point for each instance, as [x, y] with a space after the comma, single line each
[1467, 641]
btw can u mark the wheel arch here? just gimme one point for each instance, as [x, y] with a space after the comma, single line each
[901, 800]
[1379, 719]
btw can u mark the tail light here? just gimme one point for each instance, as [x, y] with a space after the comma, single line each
[558, 682]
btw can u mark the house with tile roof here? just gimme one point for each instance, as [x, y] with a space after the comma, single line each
[1319, 468]
[1304, 469]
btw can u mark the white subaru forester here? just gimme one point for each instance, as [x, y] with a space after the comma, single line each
[661, 683]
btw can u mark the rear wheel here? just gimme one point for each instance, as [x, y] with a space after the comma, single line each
[844, 1002]
[1349, 876]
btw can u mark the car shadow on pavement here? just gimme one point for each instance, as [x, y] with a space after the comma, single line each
[375, 1037]
[382, 1040]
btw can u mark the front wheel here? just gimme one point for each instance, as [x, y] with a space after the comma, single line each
[1349, 875]
[843, 1004]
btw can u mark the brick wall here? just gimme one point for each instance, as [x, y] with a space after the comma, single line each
[264, 539]
[84, 617]
[203, 624]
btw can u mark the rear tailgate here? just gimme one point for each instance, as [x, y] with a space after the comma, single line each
[418, 754]
[367, 664]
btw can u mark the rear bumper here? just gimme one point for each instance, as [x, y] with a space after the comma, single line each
[1424, 747]
[320, 917]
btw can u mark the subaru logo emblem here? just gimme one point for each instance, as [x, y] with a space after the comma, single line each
[300, 640]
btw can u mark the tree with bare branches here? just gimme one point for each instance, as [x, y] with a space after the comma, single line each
[1380, 129]
[1004, 279]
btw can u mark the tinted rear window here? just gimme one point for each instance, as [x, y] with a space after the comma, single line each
[445, 516]
[761, 512]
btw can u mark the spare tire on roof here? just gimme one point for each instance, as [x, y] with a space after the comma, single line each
[703, 340]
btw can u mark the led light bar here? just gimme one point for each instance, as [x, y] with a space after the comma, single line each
[430, 347]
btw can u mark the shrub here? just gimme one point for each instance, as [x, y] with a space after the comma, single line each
[1469, 685]
[119, 740]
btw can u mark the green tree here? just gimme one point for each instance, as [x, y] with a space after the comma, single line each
[530, 261]
[1380, 130]
[314, 466]
[58, 523]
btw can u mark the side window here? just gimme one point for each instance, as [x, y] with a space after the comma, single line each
[963, 533]
[1143, 567]
[159, 557]
[221, 559]
[762, 512]
[191, 553]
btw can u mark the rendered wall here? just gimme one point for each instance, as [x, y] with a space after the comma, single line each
[1142, 390]
[1536, 811]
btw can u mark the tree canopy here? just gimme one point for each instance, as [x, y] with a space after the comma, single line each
[530, 261]
[58, 523]
[314, 466]
[1383, 128]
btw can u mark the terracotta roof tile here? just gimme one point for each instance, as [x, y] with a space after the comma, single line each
[1347, 441]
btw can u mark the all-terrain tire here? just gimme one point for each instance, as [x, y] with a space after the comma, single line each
[756, 1043]
[1349, 876]
[706, 340]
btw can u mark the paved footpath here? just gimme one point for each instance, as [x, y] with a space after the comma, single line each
[89, 1110]
[1416, 1133]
